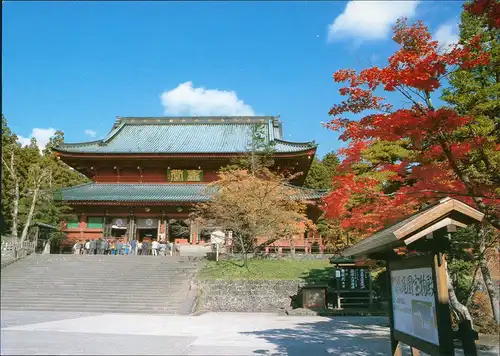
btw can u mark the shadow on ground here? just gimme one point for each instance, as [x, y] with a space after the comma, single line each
[336, 336]
[325, 275]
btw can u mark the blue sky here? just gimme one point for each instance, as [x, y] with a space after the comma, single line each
[75, 66]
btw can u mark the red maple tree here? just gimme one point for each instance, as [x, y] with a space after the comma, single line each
[398, 158]
[490, 9]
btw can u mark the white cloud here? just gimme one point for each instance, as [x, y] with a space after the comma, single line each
[187, 100]
[42, 137]
[91, 133]
[369, 20]
[447, 34]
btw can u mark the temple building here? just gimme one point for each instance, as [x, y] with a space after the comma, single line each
[148, 173]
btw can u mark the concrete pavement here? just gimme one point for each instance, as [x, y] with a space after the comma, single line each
[208, 334]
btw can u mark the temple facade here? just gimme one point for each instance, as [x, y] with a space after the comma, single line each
[148, 173]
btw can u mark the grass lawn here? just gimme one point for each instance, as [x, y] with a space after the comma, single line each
[267, 270]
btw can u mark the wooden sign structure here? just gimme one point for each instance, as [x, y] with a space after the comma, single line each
[419, 310]
[353, 283]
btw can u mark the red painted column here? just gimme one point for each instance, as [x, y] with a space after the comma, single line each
[83, 225]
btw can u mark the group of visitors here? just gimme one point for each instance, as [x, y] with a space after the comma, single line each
[119, 247]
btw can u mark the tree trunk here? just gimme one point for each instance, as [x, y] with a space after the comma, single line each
[475, 283]
[15, 210]
[30, 216]
[458, 308]
[243, 250]
[488, 281]
[492, 290]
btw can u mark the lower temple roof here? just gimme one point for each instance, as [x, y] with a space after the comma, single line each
[160, 192]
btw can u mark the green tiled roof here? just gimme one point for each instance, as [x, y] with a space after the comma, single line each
[162, 192]
[186, 135]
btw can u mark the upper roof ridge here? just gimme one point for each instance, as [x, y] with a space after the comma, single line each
[148, 120]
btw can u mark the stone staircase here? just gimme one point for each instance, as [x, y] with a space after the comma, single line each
[111, 284]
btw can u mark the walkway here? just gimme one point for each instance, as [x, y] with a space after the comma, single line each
[207, 334]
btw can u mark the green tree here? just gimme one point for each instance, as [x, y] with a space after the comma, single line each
[10, 180]
[330, 161]
[62, 176]
[252, 207]
[476, 93]
[29, 183]
[321, 173]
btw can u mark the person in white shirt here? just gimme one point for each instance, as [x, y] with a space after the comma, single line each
[76, 248]
[154, 247]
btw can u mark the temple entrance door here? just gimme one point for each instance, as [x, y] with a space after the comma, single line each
[149, 235]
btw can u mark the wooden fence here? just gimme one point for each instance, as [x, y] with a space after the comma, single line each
[14, 250]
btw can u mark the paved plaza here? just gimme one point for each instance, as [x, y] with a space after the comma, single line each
[43, 333]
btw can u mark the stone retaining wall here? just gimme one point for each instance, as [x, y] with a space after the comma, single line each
[245, 295]
[275, 256]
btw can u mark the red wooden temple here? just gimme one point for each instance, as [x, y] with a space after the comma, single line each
[148, 173]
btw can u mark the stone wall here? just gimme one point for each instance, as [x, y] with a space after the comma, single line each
[275, 256]
[246, 295]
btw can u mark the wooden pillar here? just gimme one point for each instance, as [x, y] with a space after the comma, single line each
[158, 231]
[191, 232]
[395, 345]
[83, 225]
[337, 286]
[167, 230]
[370, 287]
[131, 227]
[445, 332]
[37, 232]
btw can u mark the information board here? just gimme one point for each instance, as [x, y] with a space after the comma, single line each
[413, 303]
[353, 278]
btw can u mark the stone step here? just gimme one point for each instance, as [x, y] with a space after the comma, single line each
[95, 308]
[112, 258]
[98, 288]
[93, 279]
[124, 286]
[78, 292]
[106, 270]
[120, 284]
[96, 301]
[72, 275]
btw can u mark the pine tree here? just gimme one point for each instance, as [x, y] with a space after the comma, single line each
[321, 172]
[476, 92]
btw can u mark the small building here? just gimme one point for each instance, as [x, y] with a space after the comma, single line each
[147, 174]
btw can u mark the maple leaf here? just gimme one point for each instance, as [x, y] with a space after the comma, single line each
[398, 158]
